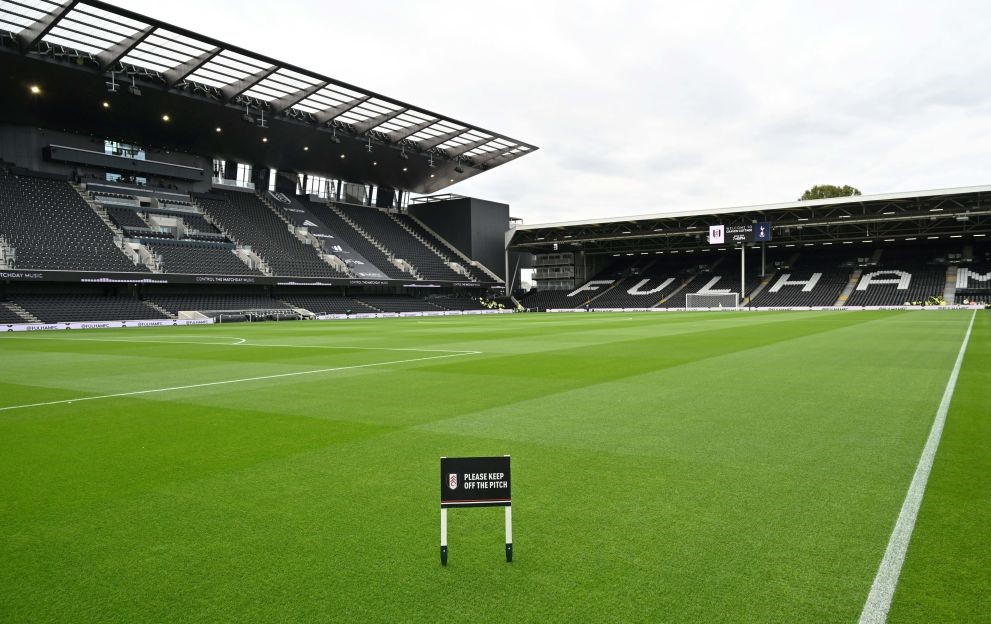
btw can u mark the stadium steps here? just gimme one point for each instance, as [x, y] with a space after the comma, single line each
[21, 312]
[133, 255]
[159, 308]
[409, 268]
[457, 252]
[950, 287]
[848, 289]
[677, 290]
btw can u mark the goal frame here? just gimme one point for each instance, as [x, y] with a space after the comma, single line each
[708, 301]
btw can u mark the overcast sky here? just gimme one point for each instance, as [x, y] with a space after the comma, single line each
[643, 107]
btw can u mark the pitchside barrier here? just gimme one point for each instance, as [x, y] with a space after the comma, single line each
[367, 315]
[17, 327]
[777, 309]
[103, 324]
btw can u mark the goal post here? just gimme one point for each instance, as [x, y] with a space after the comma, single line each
[696, 301]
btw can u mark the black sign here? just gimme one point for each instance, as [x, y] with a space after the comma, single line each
[475, 482]
[754, 233]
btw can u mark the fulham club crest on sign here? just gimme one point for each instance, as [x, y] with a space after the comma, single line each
[452, 481]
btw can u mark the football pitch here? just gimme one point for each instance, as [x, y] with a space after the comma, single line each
[675, 467]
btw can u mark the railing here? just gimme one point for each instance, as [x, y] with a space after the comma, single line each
[234, 183]
[8, 254]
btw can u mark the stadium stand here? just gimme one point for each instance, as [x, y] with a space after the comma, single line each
[358, 242]
[250, 222]
[328, 304]
[398, 240]
[815, 278]
[198, 223]
[57, 308]
[126, 218]
[902, 276]
[52, 227]
[385, 303]
[439, 245]
[188, 302]
[456, 303]
[199, 258]
[721, 275]
[553, 300]
[9, 316]
[642, 284]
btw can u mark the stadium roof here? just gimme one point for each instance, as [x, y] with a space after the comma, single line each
[889, 217]
[135, 49]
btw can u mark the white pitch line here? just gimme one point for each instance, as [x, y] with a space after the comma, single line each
[883, 589]
[240, 341]
[244, 342]
[231, 381]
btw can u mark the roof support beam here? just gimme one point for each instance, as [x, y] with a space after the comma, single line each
[111, 55]
[179, 73]
[235, 89]
[31, 35]
[288, 101]
[362, 127]
[409, 131]
[467, 147]
[334, 111]
[428, 144]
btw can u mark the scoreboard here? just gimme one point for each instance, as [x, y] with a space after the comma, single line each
[753, 233]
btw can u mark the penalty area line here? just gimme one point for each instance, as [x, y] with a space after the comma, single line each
[886, 581]
[232, 381]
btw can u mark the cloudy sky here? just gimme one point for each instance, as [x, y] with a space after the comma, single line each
[643, 107]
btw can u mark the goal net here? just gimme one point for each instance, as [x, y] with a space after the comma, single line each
[712, 300]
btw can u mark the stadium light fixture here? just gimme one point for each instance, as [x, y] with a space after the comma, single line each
[166, 118]
[34, 89]
[112, 85]
[106, 104]
[333, 137]
[218, 130]
[375, 163]
[404, 168]
[459, 169]
[342, 155]
[306, 148]
[979, 235]
[451, 180]
[133, 89]
[264, 139]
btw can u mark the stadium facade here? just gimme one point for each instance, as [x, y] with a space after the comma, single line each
[151, 173]
[850, 252]
[147, 168]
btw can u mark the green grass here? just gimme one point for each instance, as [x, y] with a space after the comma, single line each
[667, 467]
